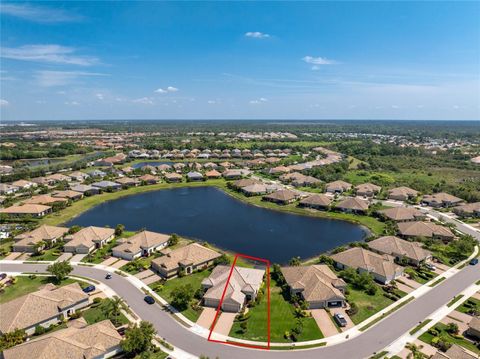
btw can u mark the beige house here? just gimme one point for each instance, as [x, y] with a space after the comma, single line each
[338, 186]
[213, 174]
[367, 190]
[283, 196]
[26, 242]
[382, 267]
[255, 189]
[468, 210]
[79, 341]
[141, 244]
[400, 248]
[173, 177]
[455, 352]
[244, 183]
[188, 259]
[317, 201]
[425, 229]
[127, 181]
[242, 287]
[353, 205]
[316, 284]
[474, 327]
[88, 239]
[44, 307]
[23, 184]
[441, 200]
[402, 193]
[402, 214]
[73, 195]
[149, 179]
[34, 210]
[45, 199]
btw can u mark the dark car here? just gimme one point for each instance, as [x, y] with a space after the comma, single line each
[340, 319]
[108, 276]
[474, 261]
[90, 288]
[149, 299]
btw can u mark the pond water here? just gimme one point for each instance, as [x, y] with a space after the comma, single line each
[208, 214]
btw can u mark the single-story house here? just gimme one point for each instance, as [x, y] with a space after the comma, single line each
[107, 185]
[425, 229]
[441, 199]
[279, 170]
[127, 181]
[468, 210]
[34, 210]
[213, 174]
[316, 284]
[194, 176]
[188, 259]
[58, 177]
[78, 341]
[44, 181]
[338, 186]
[43, 308]
[402, 214]
[474, 327]
[306, 181]
[233, 174]
[141, 244]
[78, 176]
[316, 201]
[45, 199]
[86, 189]
[97, 173]
[367, 190]
[242, 287]
[8, 188]
[400, 248]
[149, 179]
[88, 239]
[23, 184]
[27, 241]
[353, 205]
[283, 196]
[455, 352]
[70, 194]
[402, 193]
[254, 189]
[244, 183]
[382, 267]
[173, 177]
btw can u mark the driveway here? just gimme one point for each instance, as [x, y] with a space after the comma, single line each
[144, 274]
[64, 257]
[410, 282]
[119, 263]
[109, 261]
[224, 323]
[343, 311]
[206, 317]
[324, 322]
[12, 256]
[404, 288]
[152, 279]
[77, 257]
[459, 318]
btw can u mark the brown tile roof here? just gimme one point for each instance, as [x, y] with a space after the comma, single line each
[475, 324]
[36, 307]
[44, 199]
[353, 203]
[441, 198]
[423, 229]
[149, 178]
[455, 352]
[317, 200]
[338, 185]
[84, 342]
[368, 187]
[25, 209]
[213, 173]
[89, 235]
[142, 240]
[284, 195]
[395, 246]
[42, 233]
[170, 176]
[403, 191]
[193, 254]
[469, 208]
[402, 213]
[67, 194]
[127, 180]
[244, 183]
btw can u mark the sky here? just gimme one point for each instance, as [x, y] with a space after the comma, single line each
[239, 60]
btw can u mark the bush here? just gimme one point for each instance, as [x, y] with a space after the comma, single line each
[353, 309]
[39, 330]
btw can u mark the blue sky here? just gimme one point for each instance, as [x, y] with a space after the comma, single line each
[250, 60]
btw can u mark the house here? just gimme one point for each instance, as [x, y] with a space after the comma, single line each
[78, 176]
[188, 259]
[213, 174]
[77, 341]
[97, 173]
[367, 190]
[441, 200]
[402, 214]
[455, 352]
[27, 242]
[88, 239]
[279, 170]
[44, 307]
[306, 181]
[243, 286]
[233, 174]
[43, 181]
[110, 161]
[255, 189]
[316, 284]
[425, 229]
[73, 195]
[400, 248]
[179, 167]
[382, 267]
[468, 210]
[107, 185]
[149, 179]
[244, 183]
[474, 328]
[338, 186]
[141, 244]
[45, 199]
[86, 189]
[316, 201]
[353, 205]
[22, 184]
[283, 196]
[164, 167]
[402, 193]
[34, 210]
[8, 188]
[194, 176]
[127, 181]
[173, 177]
[58, 177]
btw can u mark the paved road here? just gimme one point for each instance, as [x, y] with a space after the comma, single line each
[362, 346]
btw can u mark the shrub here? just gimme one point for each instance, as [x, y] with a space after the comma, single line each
[39, 330]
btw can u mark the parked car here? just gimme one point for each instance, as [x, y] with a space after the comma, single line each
[340, 319]
[474, 261]
[108, 276]
[430, 266]
[89, 289]
[149, 300]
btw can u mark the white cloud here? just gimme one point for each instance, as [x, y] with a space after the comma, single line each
[3, 102]
[160, 90]
[168, 89]
[172, 89]
[257, 35]
[100, 96]
[49, 53]
[317, 61]
[258, 101]
[395, 107]
[72, 103]
[61, 78]
[40, 14]
[211, 102]
[144, 100]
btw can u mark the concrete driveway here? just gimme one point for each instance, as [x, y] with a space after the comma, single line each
[343, 311]
[144, 274]
[206, 317]
[410, 282]
[109, 261]
[77, 257]
[224, 323]
[324, 322]
[64, 257]
[119, 263]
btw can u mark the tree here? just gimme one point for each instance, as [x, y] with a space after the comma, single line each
[181, 296]
[294, 262]
[138, 338]
[60, 270]
[11, 339]
[38, 247]
[452, 328]
[173, 239]
[119, 229]
[111, 309]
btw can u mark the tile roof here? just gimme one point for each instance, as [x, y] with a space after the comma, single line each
[89, 235]
[402, 213]
[395, 246]
[42, 233]
[423, 229]
[142, 240]
[191, 254]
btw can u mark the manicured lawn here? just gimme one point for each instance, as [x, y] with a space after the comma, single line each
[5, 246]
[367, 304]
[25, 285]
[194, 280]
[49, 254]
[139, 264]
[94, 314]
[468, 305]
[282, 319]
[427, 338]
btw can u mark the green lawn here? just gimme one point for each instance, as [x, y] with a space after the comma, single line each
[367, 304]
[427, 338]
[5, 246]
[25, 285]
[468, 305]
[49, 254]
[94, 314]
[194, 280]
[281, 320]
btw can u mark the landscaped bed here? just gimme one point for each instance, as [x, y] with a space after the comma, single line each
[444, 336]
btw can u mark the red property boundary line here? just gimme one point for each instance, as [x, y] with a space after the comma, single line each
[212, 327]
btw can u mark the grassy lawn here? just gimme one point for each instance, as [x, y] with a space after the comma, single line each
[427, 338]
[94, 314]
[49, 254]
[194, 280]
[468, 305]
[5, 246]
[281, 320]
[25, 285]
[135, 266]
[367, 304]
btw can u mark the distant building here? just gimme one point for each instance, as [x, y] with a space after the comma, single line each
[34, 210]
[367, 190]
[400, 248]
[402, 214]
[441, 200]
[338, 186]
[402, 194]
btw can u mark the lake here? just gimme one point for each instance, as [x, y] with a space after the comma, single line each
[208, 214]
